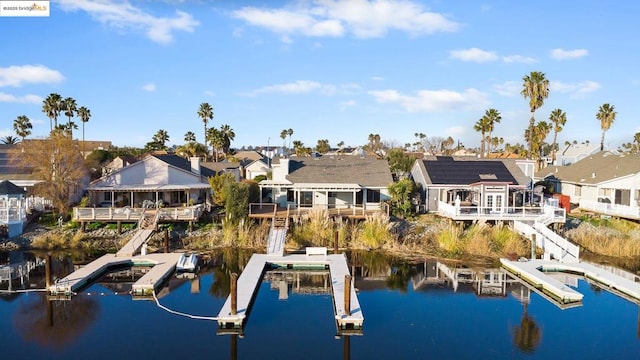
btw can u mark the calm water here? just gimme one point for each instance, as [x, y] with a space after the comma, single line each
[412, 311]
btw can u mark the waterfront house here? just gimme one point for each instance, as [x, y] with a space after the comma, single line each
[166, 180]
[605, 182]
[13, 211]
[349, 183]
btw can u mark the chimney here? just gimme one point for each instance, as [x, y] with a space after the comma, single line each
[195, 165]
[593, 175]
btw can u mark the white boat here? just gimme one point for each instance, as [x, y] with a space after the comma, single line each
[187, 263]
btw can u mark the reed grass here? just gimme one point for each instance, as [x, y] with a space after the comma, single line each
[610, 238]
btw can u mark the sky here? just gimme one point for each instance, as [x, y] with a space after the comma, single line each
[327, 69]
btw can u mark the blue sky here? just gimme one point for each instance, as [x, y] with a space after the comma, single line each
[336, 70]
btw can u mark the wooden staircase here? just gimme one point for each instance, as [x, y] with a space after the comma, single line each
[278, 234]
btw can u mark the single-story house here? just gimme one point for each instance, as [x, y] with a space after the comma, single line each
[340, 182]
[492, 184]
[161, 179]
[602, 178]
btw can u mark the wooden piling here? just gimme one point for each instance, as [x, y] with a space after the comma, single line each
[533, 246]
[47, 271]
[347, 294]
[166, 240]
[119, 227]
[234, 293]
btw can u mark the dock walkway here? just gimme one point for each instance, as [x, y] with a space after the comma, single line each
[133, 245]
[163, 266]
[251, 278]
[532, 271]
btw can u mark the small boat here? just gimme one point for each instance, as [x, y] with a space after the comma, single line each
[187, 262]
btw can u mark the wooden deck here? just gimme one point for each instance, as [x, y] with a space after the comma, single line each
[533, 272]
[266, 211]
[127, 214]
[252, 275]
[163, 266]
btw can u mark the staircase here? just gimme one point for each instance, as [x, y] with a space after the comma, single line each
[278, 234]
[146, 226]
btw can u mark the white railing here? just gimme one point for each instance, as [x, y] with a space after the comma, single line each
[552, 243]
[610, 209]
[552, 214]
[134, 214]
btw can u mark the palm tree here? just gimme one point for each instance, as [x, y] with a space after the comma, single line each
[482, 126]
[10, 140]
[216, 139]
[70, 107]
[607, 116]
[228, 135]
[191, 149]
[190, 136]
[290, 132]
[84, 114]
[540, 133]
[22, 126]
[535, 87]
[636, 142]
[205, 112]
[283, 136]
[493, 117]
[52, 106]
[161, 137]
[558, 118]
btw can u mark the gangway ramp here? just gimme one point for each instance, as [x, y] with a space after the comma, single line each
[275, 243]
[135, 243]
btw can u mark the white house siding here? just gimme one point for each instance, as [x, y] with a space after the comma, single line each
[256, 168]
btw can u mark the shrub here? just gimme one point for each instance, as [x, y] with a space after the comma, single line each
[375, 231]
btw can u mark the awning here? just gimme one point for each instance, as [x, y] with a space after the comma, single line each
[151, 187]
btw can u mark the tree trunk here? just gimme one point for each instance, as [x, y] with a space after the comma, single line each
[531, 123]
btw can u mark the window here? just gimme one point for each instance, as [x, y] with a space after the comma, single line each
[306, 198]
[373, 196]
[107, 196]
[290, 195]
[577, 191]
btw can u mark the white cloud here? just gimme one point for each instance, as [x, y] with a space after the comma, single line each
[482, 56]
[26, 99]
[124, 16]
[508, 88]
[150, 87]
[377, 78]
[562, 54]
[304, 87]
[17, 75]
[473, 54]
[210, 93]
[362, 18]
[456, 131]
[576, 90]
[433, 100]
[347, 104]
[518, 59]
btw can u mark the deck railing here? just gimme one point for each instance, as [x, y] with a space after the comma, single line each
[133, 214]
[264, 209]
[532, 213]
[611, 209]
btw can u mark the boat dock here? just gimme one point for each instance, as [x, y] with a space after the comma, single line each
[135, 243]
[252, 275]
[163, 266]
[533, 271]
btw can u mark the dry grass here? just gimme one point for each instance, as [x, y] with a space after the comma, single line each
[374, 232]
[611, 238]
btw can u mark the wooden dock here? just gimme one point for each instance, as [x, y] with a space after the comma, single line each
[533, 272]
[252, 275]
[163, 265]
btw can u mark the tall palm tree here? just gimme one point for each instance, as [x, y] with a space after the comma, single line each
[161, 137]
[636, 142]
[290, 132]
[84, 114]
[535, 87]
[216, 139]
[52, 106]
[228, 135]
[283, 136]
[205, 112]
[482, 126]
[540, 132]
[22, 126]
[607, 115]
[69, 106]
[558, 118]
[493, 117]
[190, 136]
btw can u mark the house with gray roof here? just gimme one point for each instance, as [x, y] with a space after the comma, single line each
[168, 179]
[329, 182]
[573, 153]
[604, 182]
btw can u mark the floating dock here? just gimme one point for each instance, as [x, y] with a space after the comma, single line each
[162, 266]
[253, 273]
[533, 271]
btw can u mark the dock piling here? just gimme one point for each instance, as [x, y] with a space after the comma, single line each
[335, 242]
[234, 293]
[47, 270]
[347, 294]
[166, 240]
